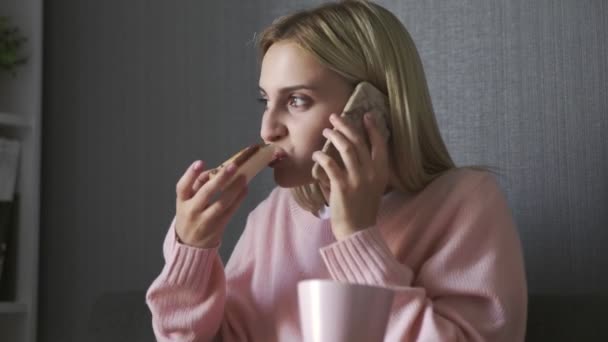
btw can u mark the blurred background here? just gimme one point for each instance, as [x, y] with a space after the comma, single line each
[135, 91]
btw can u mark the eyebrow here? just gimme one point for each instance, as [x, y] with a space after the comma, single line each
[292, 88]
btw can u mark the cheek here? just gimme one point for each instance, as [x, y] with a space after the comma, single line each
[314, 132]
[314, 141]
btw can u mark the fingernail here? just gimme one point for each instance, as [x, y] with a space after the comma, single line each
[325, 132]
[230, 168]
[197, 165]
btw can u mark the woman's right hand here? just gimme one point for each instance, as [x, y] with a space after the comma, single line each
[204, 205]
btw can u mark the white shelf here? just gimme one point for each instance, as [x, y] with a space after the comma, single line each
[12, 308]
[13, 120]
[20, 115]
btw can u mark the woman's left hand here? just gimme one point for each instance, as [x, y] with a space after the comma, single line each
[355, 191]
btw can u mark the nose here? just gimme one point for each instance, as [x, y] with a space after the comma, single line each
[272, 129]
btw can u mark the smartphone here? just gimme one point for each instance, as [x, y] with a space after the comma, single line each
[365, 98]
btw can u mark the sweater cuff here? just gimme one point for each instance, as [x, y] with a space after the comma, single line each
[189, 266]
[364, 258]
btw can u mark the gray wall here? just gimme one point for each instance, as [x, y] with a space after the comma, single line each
[136, 90]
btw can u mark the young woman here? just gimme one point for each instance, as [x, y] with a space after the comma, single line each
[398, 214]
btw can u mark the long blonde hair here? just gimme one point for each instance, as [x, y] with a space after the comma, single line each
[363, 41]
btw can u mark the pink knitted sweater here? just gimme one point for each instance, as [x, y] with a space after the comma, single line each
[450, 252]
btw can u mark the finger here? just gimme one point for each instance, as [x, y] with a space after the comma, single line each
[200, 180]
[346, 148]
[218, 183]
[183, 188]
[353, 135]
[334, 172]
[226, 199]
[228, 213]
[378, 143]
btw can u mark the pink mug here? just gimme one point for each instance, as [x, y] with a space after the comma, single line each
[338, 312]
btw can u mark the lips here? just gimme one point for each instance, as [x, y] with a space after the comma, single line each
[279, 155]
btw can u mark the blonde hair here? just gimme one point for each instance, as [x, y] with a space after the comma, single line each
[363, 41]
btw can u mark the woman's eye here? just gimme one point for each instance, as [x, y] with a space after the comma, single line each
[263, 101]
[296, 101]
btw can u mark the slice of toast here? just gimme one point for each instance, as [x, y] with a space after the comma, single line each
[250, 161]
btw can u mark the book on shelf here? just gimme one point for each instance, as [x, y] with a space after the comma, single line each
[9, 161]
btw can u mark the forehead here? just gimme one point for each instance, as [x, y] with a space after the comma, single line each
[286, 64]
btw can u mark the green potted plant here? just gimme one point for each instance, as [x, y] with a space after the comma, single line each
[11, 43]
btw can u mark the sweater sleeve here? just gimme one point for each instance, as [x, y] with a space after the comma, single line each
[471, 287]
[196, 298]
[187, 298]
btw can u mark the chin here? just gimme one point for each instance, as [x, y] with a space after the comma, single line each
[291, 179]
